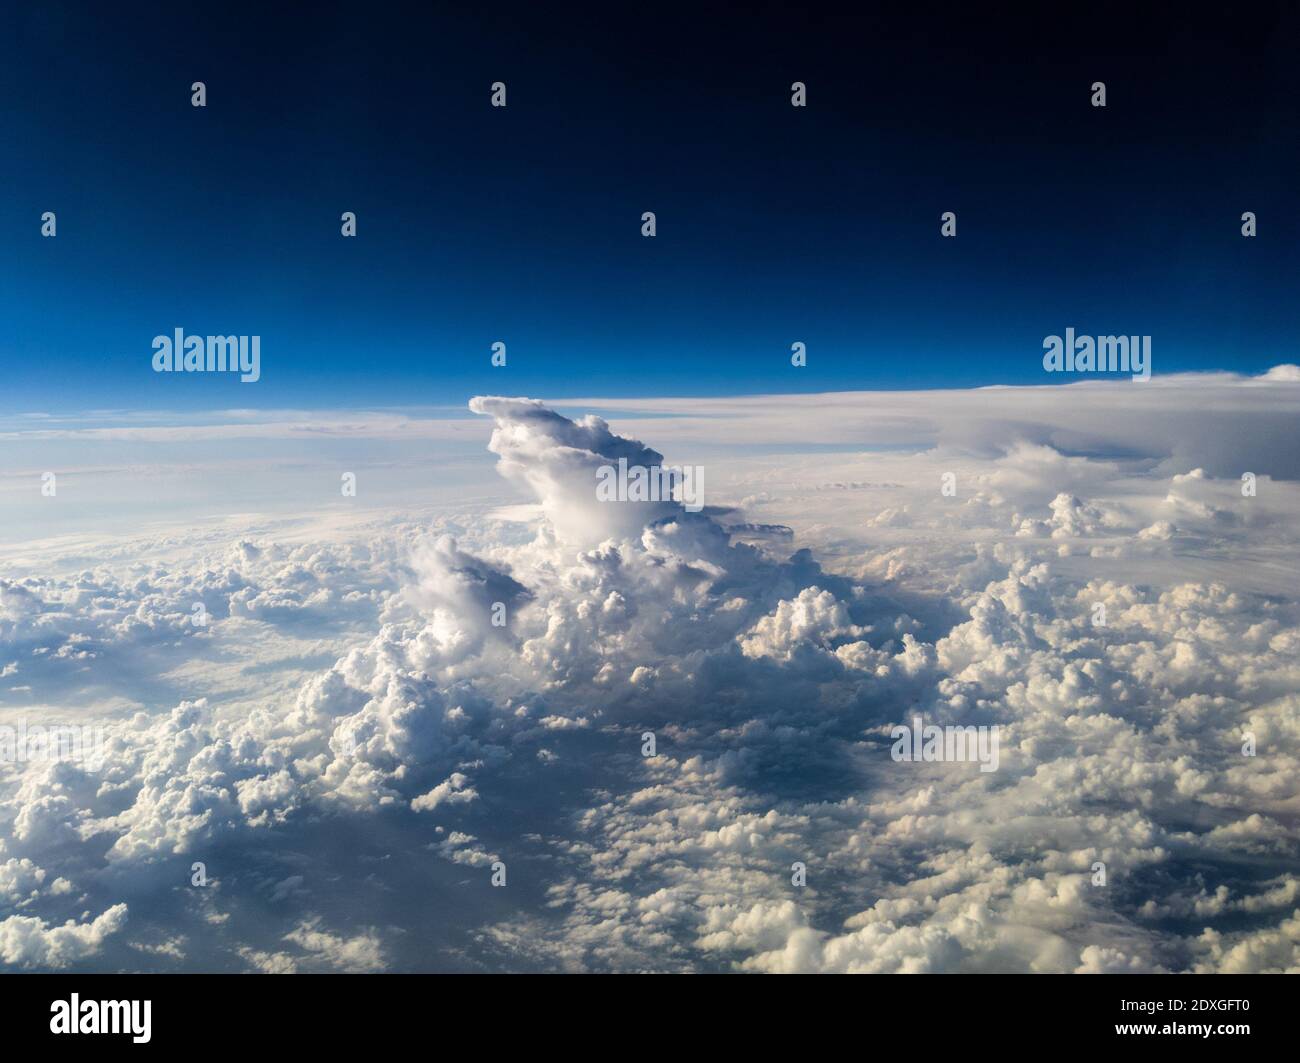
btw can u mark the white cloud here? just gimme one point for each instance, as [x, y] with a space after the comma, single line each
[353, 719]
[26, 941]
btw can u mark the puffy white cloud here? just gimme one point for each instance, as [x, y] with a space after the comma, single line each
[359, 953]
[453, 790]
[26, 941]
[360, 716]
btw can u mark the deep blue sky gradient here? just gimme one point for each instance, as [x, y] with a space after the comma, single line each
[523, 225]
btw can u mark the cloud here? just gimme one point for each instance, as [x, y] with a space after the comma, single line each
[28, 942]
[360, 953]
[454, 790]
[369, 722]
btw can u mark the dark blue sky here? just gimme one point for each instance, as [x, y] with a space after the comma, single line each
[523, 224]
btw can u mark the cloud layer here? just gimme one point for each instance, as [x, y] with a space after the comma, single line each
[329, 773]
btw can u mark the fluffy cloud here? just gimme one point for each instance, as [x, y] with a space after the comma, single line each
[28, 942]
[371, 723]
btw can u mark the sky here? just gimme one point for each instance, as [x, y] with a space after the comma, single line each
[522, 224]
[367, 674]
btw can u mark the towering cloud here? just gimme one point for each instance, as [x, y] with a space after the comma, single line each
[496, 691]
